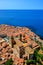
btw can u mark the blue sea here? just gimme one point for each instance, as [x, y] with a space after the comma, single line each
[32, 19]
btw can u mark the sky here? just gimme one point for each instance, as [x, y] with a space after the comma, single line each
[21, 4]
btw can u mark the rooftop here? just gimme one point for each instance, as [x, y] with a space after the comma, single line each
[27, 41]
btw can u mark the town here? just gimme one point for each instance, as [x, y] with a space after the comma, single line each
[18, 44]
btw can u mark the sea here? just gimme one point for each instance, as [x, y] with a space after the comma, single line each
[32, 19]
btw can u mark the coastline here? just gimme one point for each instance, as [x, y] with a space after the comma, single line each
[32, 28]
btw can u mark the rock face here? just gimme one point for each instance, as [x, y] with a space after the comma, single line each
[17, 43]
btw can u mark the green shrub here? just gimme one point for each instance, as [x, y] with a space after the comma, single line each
[9, 62]
[30, 62]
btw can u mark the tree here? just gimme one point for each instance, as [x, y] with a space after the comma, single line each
[36, 58]
[9, 62]
[30, 62]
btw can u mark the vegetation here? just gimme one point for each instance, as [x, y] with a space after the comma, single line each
[38, 42]
[42, 48]
[9, 62]
[37, 58]
[30, 62]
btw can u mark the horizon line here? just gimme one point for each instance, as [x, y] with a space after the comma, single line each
[21, 9]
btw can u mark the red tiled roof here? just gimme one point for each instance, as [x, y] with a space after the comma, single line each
[4, 44]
